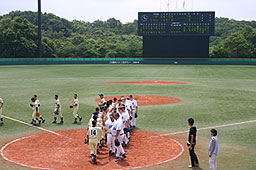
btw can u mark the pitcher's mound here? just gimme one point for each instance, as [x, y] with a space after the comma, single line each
[148, 82]
[147, 100]
[49, 151]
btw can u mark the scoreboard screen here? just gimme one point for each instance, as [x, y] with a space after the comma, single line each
[176, 23]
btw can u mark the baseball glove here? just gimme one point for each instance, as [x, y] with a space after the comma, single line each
[70, 106]
[130, 118]
[136, 115]
[37, 114]
[117, 143]
[125, 131]
[56, 112]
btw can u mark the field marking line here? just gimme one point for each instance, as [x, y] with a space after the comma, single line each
[211, 127]
[16, 140]
[40, 128]
[159, 163]
[33, 167]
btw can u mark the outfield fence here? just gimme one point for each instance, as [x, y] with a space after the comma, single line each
[156, 60]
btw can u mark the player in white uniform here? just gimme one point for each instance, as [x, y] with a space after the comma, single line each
[38, 103]
[125, 118]
[57, 110]
[110, 139]
[134, 111]
[118, 132]
[75, 105]
[1, 110]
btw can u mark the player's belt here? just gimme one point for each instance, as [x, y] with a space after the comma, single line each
[121, 134]
[109, 133]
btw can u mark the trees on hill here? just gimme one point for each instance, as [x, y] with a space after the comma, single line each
[111, 38]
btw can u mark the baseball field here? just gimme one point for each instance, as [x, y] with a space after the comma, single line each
[223, 97]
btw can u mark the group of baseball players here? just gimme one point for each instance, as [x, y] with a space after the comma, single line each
[112, 122]
[37, 118]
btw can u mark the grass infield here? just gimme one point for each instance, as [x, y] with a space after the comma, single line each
[215, 95]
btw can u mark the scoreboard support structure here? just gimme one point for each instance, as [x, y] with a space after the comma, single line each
[176, 34]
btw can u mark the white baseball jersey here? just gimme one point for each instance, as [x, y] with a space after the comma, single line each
[35, 105]
[57, 102]
[37, 101]
[125, 117]
[76, 102]
[118, 125]
[134, 104]
[128, 105]
[109, 124]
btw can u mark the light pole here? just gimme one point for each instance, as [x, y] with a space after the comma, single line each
[39, 30]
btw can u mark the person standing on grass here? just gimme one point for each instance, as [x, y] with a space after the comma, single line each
[213, 150]
[75, 105]
[1, 106]
[191, 143]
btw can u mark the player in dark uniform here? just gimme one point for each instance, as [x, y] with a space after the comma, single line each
[192, 143]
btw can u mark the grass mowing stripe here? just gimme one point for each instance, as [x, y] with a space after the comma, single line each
[211, 127]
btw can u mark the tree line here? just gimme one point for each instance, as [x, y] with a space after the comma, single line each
[105, 39]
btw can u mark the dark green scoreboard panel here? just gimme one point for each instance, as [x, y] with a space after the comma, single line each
[176, 23]
[176, 34]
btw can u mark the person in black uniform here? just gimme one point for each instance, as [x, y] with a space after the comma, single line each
[192, 143]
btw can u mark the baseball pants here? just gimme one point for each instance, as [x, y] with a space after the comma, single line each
[34, 115]
[111, 142]
[60, 114]
[133, 121]
[75, 111]
[1, 112]
[93, 147]
[120, 148]
[213, 162]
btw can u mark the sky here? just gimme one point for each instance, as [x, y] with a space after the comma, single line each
[127, 10]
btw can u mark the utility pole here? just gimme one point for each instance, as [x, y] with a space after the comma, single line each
[39, 30]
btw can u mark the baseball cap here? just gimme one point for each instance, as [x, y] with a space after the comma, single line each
[101, 95]
[95, 113]
[102, 107]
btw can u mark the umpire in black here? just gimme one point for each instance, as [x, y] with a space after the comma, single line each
[192, 143]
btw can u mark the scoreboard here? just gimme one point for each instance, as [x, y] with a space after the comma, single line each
[176, 23]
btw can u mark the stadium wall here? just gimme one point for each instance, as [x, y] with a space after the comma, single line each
[168, 61]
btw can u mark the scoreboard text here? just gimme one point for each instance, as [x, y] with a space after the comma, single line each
[176, 23]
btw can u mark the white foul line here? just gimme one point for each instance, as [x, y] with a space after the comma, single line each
[32, 125]
[211, 127]
[16, 140]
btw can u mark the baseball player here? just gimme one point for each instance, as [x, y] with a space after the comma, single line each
[118, 132]
[1, 110]
[38, 103]
[104, 119]
[75, 105]
[35, 113]
[125, 118]
[93, 135]
[102, 100]
[57, 110]
[134, 111]
[110, 140]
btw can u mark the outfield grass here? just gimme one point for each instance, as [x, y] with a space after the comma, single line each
[215, 95]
